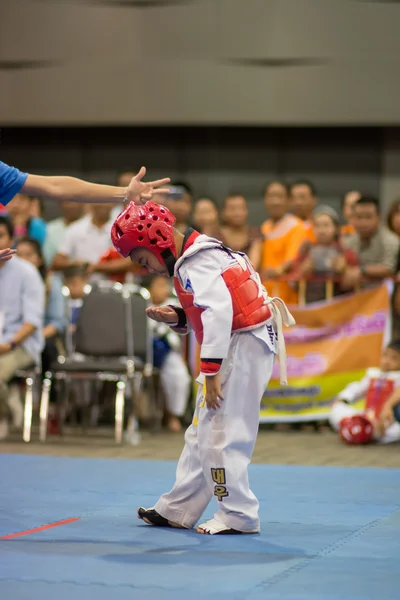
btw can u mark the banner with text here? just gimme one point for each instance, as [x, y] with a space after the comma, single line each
[332, 345]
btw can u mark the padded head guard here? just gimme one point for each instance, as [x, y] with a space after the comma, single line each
[356, 430]
[149, 226]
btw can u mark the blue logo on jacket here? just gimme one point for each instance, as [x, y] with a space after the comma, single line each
[188, 286]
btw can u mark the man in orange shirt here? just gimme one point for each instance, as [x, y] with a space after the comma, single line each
[282, 236]
[303, 200]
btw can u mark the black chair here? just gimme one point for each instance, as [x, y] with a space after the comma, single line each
[112, 343]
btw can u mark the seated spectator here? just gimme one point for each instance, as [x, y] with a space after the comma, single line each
[282, 237]
[180, 204]
[324, 258]
[303, 200]
[381, 390]
[70, 212]
[174, 374]
[393, 218]
[236, 233]
[54, 316]
[86, 241]
[22, 301]
[348, 201]
[19, 211]
[206, 219]
[376, 247]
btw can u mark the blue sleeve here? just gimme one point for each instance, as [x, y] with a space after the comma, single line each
[55, 310]
[38, 230]
[11, 182]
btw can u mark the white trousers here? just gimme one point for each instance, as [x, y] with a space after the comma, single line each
[219, 444]
[341, 410]
[175, 380]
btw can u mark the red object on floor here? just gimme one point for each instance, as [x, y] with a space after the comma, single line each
[53, 427]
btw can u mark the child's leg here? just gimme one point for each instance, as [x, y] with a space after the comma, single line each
[175, 380]
[341, 410]
[227, 435]
[189, 497]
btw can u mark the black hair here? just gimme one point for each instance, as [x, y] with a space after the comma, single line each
[234, 194]
[306, 182]
[75, 271]
[369, 200]
[277, 182]
[38, 249]
[8, 225]
[183, 184]
[208, 200]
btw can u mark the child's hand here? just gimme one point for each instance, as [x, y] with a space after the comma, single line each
[213, 391]
[162, 314]
[385, 419]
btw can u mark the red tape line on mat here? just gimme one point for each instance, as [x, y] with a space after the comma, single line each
[43, 528]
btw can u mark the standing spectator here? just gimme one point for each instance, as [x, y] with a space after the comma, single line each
[282, 236]
[236, 233]
[376, 246]
[348, 201]
[24, 224]
[393, 218]
[325, 257]
[180, 205]
[22, 300]
[86, 241]
[303, 200]
[70, 212]
[205, 218]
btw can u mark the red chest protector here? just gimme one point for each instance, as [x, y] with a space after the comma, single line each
[378, 392]
[249, 308]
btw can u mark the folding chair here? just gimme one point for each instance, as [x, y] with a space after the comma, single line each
[112, 342]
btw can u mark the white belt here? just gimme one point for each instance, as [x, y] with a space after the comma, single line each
[281, 316]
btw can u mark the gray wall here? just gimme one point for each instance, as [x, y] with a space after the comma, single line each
[214, 160]
[286, 62]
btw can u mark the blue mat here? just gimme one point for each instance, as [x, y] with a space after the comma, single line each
[327, 533]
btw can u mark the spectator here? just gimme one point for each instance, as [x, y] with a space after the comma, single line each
[282, 236]
[86, 241]
[180, 204]
[380, 389]
[236, 233]
[325, 257]
[377, 247]
[71, 212]
[54, 316]
[303, 200]
[393, 218]
[174, 375]
[348, 201]
[205, 218]
[24, 224]
[22, 300]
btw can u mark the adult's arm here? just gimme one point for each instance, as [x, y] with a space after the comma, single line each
[72, 189]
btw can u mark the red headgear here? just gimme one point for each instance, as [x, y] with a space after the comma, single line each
[149, 226]
[356, 430]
